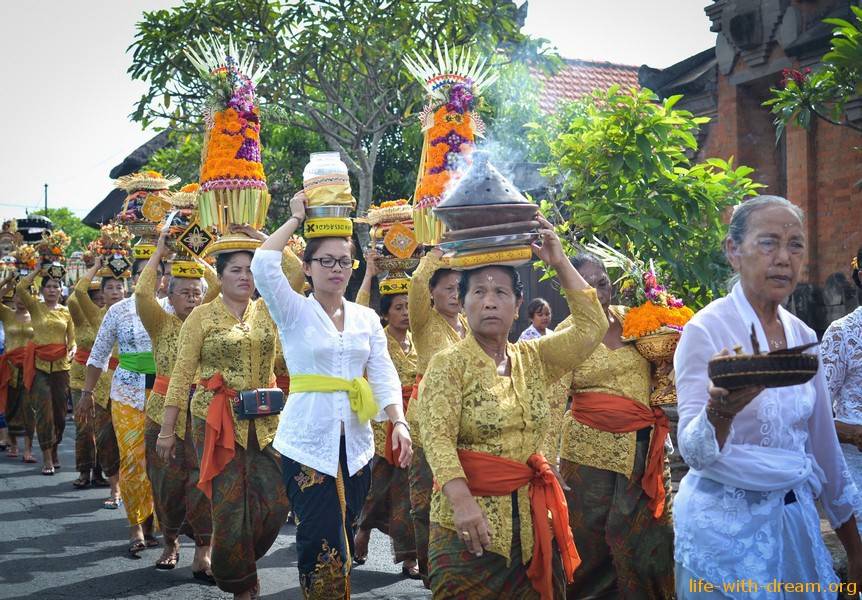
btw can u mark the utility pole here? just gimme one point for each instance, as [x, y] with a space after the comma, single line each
[46, 199]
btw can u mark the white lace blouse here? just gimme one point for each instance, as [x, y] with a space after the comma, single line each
[728, 514]
[841, 354]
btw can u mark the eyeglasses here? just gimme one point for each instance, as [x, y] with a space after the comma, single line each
[328, 262]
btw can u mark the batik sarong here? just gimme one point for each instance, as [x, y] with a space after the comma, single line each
[20, 417]
[625, 551]
[248, 509]
[421, 481]
[107, 450]
[387, 508]
[327, 510]
[458, 574]
[180, 506]
[85, 437]
[129, 424]
[50, 396]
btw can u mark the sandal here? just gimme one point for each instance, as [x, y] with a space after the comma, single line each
[411, 572]
[82, 482]
[12, 453]
[100, 482]
[151, 541]
[112, 503]
[166, 563]
[136, 547]
[29, 459]
[206, 577]
[47, 470]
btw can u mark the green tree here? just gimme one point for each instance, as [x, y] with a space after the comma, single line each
[336, 66]
[65, 219]
[823, 93]
[623, 174]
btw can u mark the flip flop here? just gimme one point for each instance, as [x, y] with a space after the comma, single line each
[151, 541]
[168, 563]
[82, 482]
[30, 461]
[204, 576]
[411, 572]
[47, 470]
[100, 482]
[112, 504]
[136, 547]
[12, 454]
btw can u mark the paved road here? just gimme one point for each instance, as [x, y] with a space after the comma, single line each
[57, 542]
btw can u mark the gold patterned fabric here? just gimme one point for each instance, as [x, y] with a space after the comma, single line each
[431, 331]
[164, 331]
[620, 372]
[469, 406]
[50, 326]
[212, 341]
[18, 334]
[85, 337]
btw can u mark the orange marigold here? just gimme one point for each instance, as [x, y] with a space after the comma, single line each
[649, 318]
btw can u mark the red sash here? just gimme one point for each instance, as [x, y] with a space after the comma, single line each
[15, 357]
[283, 382]
[489, 475]
[160, 385]
[83, 354]
[219, 438]
[46, 352]
[617, 414]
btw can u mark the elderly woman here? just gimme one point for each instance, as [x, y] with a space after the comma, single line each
[487, 410]
[324, 435]
[759, 457]
[612, 458]
[841, 353]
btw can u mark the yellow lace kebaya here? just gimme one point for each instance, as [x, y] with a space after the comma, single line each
[52, 326]
[620, 372]
[212, 340]
[18, 334]
[85, 337]
[469, 406]
[164, 331]
[431, 331]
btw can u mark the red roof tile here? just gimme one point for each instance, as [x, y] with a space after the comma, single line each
[580, 77]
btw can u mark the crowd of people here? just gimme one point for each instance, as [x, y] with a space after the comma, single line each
[533, 469]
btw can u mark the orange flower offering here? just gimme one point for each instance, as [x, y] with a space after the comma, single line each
[649, 318]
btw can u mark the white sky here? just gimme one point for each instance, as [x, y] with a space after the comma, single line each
[66, 95]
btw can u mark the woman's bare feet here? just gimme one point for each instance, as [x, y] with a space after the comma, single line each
[360, 546]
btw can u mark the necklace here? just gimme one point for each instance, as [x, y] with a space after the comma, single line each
[776, 344]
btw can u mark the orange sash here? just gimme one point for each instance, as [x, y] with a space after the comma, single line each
[283, 382]
[393, 456]
[219, 438]
[160, 386]
[15, 357]
[489, 475]
[617, 414]
[83, 354]
[47, 352]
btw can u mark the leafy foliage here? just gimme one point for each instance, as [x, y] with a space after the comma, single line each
[824, 93]
[623, 174]
[65, 219]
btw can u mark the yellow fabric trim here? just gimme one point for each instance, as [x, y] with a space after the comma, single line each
[358, 391]
[328, 227]
[233, 244]
[393, 286]
[143, 251]
[186, 269]
[493, 257]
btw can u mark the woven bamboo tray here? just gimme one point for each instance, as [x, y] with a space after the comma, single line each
[780, 368]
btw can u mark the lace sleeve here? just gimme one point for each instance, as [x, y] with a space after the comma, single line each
[188, 360]
[291, 266]
[441, 397]
[213, 284]
[834, 358]
[419, 296]
[149, 310]
[563, 351]
[696, 435]
[363, 298]
[380, 370]
[105, 340]
[89, 308]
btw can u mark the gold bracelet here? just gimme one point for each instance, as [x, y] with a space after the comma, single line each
[166, 437]
[711, 410]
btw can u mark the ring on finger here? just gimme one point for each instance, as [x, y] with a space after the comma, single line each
[465, 534]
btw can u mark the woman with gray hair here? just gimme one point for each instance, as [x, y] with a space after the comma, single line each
[745, 521]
